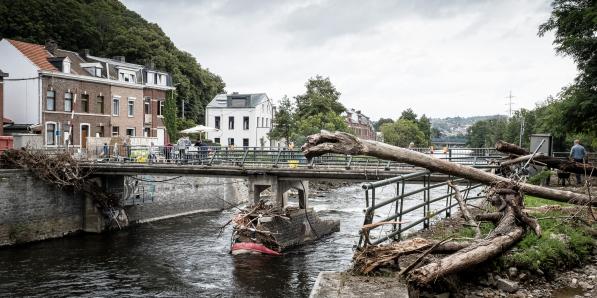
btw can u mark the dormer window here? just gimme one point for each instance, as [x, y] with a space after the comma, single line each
[66, 65]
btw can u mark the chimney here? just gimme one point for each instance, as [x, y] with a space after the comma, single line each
[51, 46]
[84, 53]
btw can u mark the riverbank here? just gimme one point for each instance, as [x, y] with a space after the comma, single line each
[562, 263]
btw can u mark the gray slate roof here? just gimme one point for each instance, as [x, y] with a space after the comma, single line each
[223, 100]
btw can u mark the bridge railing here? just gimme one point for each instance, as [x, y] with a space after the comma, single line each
[263, 157]
[418, 214]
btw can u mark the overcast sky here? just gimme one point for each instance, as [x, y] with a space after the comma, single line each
[440, 58]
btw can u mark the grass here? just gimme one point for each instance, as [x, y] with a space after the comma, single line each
[564, 243]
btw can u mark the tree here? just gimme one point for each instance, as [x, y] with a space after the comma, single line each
[284, 123]
[408, 114]
[402, 132]
[574, 23]
[321, 97]
[318, 108]
[170, 117]
[425, 126]
[107, 28]
[377, 125]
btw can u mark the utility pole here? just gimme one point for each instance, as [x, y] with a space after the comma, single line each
[510, 103]
[521, 131]
[182, 107]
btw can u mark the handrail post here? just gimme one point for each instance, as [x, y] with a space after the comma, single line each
[242, 164]
[211, 160]
[349, 162]
[277, 158]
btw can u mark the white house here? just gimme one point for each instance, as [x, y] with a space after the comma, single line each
[242, 119]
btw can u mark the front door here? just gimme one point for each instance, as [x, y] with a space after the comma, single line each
[84, 135]
[161, 134]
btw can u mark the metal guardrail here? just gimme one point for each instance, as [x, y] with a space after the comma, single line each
[256, 157]
[397, 202]
[591, 156]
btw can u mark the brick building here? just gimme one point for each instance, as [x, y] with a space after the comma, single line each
[68, 96]
[360, 124]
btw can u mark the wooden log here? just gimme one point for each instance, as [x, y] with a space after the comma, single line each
[343, 143]
[551, 162]
[470, 220]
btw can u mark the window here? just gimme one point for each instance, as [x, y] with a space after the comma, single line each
[217, 122]
[100, 104]
[68, 102]
[116, 106]
[230, 141]
[115, 131]
[131, 107]
[217, 140]
[160, 107]
[66, 66]
[257, 121]
[147, 105]
[245, 142]
[156, 80]
[50, 134]
[100, 131]
[130, 132]
[147, 132]
[231, 123]
[245, 123]
[51, 101]
[262, 121]
[84, 103]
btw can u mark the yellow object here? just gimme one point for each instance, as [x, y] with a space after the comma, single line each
[293, 164]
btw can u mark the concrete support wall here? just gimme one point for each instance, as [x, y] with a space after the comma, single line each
[31, 210]
[181, 196]
[279, 190]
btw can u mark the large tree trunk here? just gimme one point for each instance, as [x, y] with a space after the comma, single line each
[551, 162]
[343, 143]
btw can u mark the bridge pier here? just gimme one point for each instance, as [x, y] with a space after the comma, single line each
[279, 189]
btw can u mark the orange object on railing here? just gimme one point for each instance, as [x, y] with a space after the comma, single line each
[5, 143]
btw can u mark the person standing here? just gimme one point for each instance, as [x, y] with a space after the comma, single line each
[578, 154]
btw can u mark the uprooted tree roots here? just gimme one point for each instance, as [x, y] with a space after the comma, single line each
[60, 170]
[505, 194]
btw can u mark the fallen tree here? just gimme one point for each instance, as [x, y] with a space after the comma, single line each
[522, 155]
[504, 194]
[343, 143]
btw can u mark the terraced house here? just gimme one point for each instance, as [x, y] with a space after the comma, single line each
[68, 97]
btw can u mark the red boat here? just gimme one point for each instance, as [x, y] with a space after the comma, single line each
[251, 247]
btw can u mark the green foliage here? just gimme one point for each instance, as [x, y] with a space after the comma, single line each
[321, 97]
[169, 114]
[540, 178]
[318, 108]
[284, 123]
[574, 23]
[377, 125]
[313, 124]
[408, 114]
[109, 29]
[402, 132]
[486, 133]
[425, 126]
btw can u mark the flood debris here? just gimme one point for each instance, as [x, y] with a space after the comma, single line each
[264, 228]
[504, 194]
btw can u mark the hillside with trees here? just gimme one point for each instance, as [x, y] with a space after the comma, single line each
[107, 28]
[406, 129]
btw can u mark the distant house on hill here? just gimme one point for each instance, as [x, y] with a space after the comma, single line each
[67, 96]
[360, 125]
[242, 119]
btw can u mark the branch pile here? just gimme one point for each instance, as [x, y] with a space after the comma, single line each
[520, 155]
[59, 169]
[503, 193]
[246, 226]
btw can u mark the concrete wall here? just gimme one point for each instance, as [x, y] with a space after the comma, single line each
[181, 196]
[31, 210]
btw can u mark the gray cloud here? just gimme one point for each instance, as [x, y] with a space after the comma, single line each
[438, 57]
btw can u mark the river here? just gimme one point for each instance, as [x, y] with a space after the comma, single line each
[185, 257]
